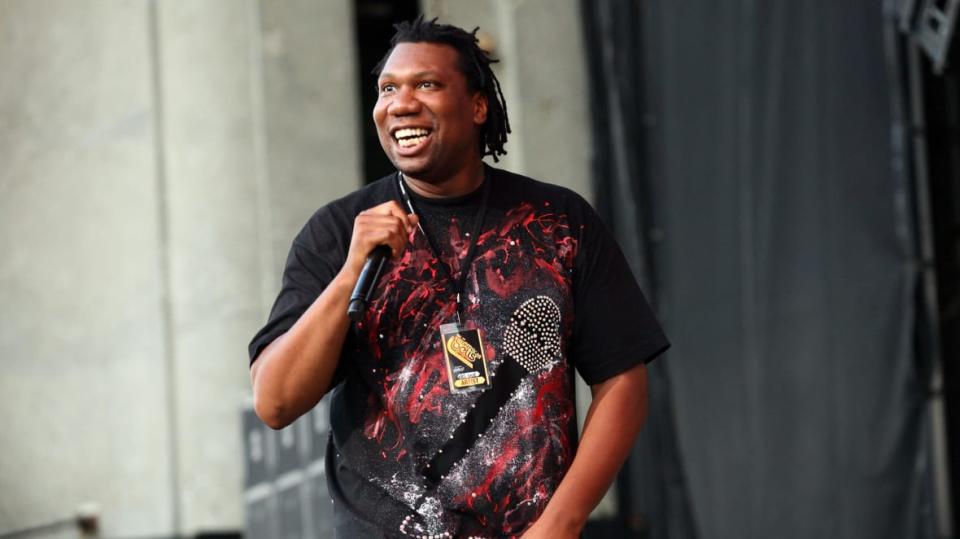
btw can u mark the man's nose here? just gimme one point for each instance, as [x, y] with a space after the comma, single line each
[404, 103]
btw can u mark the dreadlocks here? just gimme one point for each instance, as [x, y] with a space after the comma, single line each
[474, 63]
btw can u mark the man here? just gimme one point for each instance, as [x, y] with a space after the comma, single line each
[452, 413]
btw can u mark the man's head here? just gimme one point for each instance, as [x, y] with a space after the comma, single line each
[439, 101]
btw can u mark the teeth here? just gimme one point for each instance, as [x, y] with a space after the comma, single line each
[408, 132]
[408, 142]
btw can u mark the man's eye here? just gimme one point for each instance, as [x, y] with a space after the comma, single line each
[386, 88]
[428, 84]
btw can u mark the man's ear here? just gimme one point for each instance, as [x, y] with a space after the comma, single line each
[479, 108]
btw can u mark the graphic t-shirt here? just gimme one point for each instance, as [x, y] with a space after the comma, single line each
[548, 291]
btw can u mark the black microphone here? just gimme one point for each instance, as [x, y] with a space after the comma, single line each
[369, 276]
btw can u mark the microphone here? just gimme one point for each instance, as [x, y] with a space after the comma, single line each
[531, 345]
[369, 276]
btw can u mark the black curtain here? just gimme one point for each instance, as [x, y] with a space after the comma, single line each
[743, 157]
[653, 497]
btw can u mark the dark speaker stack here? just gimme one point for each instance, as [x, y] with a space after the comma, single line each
[285, 486]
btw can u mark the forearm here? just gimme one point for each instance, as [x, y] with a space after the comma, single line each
[292, 373]
[613, 421]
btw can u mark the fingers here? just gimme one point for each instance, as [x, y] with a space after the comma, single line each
[385, 224]
[372, 230]
[393, 208]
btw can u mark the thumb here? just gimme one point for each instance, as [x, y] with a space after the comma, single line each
[413, 220]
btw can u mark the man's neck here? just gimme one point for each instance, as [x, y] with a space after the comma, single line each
[462, 183]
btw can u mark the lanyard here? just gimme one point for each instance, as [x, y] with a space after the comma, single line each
[460, 283]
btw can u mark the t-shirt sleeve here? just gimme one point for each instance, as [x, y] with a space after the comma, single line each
[305, 276]
[614, 327]
[315, 258]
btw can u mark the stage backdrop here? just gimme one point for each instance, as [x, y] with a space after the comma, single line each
[744, 160]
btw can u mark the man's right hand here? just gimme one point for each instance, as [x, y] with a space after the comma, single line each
[386, 224]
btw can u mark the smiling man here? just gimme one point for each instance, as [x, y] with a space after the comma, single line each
[452, 412]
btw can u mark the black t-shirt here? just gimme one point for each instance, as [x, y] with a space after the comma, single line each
[548, 289]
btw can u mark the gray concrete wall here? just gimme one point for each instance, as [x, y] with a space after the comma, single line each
[156, 159]
[311, 97]
[209, 175]
[81, 335]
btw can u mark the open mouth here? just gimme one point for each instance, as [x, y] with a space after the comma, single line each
[410, 137]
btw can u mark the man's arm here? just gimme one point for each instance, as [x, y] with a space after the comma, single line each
[616, 414]
[293, 372]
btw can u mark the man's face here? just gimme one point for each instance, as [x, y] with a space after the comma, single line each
[427, 119]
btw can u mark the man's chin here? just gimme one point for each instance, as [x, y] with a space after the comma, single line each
[416, 169]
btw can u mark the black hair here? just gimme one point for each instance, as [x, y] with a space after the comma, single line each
[474, 63]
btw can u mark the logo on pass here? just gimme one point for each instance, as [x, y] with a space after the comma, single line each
[466, 363]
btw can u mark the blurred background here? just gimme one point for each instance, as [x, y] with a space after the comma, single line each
[784, 178]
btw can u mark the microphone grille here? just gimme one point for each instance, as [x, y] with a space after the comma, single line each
[533, 336]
